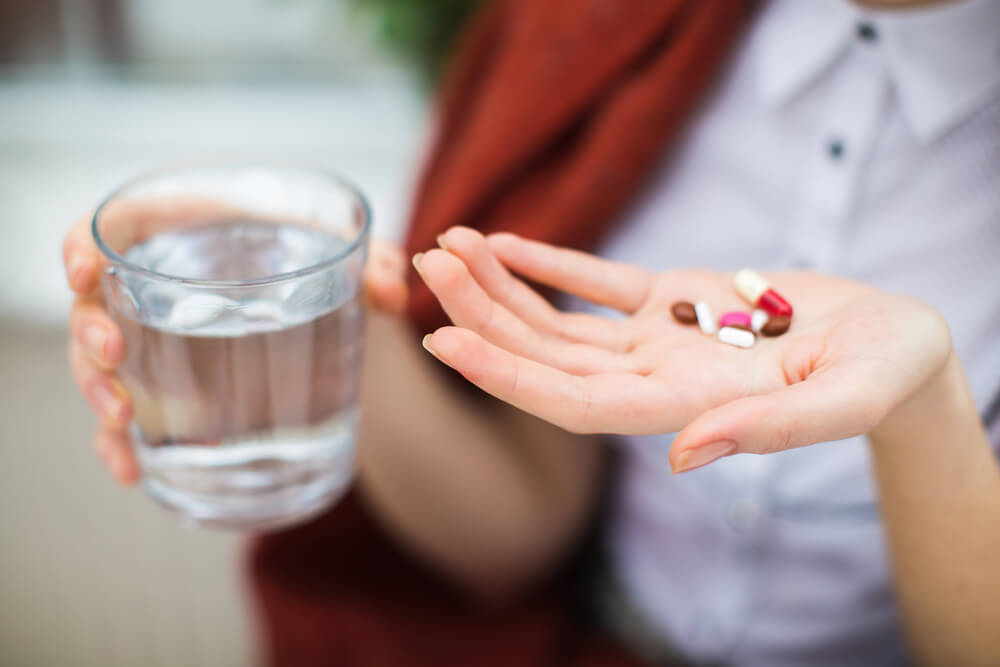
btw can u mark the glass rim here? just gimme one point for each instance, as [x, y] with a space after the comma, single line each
[117, 260]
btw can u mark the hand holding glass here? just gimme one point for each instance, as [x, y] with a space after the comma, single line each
[237, 288]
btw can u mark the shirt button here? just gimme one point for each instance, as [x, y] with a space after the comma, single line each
[867, 32]
[835, 148]
[743, 515]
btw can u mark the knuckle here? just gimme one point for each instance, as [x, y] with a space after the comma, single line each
[782, 425]
[781, 438]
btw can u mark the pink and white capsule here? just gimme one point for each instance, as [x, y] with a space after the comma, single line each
[758, 318]
[735, 318]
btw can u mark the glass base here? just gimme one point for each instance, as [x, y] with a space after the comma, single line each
[251, 513]
[259, 481]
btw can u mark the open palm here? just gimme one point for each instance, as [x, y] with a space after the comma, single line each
[852, 354]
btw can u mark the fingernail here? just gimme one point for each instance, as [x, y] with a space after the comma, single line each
[94, 339]
[427, 345]
[416, 261]
[440, 240]
[703, 455]
[108, 401]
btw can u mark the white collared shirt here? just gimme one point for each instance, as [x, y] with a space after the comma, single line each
[871, 152]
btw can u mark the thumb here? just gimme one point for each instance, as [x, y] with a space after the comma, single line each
[832, 404]
[385, 278]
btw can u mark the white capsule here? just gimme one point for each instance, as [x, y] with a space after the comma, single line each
[706, 320]
[737, 337]
[750, 285]
[758, 318]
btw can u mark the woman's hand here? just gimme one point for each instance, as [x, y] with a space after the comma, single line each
[852, 355]
[96, 346]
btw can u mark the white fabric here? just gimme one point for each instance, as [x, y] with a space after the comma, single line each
[779, 560]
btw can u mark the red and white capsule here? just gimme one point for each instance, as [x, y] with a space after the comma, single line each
[758, 293]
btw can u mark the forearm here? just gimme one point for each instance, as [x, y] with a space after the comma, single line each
[486, 493]
[939, 488]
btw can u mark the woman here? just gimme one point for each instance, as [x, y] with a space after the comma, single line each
[841, 139]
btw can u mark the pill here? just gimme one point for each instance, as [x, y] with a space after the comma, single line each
[776, 325]
[758, 318]
[683, 312]
[754, 288]
[705, 318]
[736, 336]
[774, 304]
[735, 318]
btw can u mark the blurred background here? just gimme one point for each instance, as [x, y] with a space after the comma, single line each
[92, 92]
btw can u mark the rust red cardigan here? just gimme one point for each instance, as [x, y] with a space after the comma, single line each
[551, 116]
[554, 112]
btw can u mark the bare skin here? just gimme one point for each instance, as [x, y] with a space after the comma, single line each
[939, 490]
[489, 495]
[856, 360]
[494, 497]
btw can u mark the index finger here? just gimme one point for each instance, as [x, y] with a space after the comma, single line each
[130, 221]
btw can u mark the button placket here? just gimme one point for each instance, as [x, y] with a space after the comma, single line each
[832, 171]
[718, 625]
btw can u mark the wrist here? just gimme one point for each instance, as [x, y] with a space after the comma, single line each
[943, 397]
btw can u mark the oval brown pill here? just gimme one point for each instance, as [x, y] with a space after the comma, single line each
[683, 312]
[776, 325]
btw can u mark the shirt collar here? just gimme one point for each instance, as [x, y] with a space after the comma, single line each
[943, 61]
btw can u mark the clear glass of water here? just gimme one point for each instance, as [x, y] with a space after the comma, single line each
[237, 287]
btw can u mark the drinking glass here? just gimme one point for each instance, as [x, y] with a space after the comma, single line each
[237, 287]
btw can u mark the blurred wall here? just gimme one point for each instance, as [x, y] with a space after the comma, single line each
[91, 92]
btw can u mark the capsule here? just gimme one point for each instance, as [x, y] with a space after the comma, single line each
[737, 337]
[735, 318]
[706, 320]
[754, 288]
